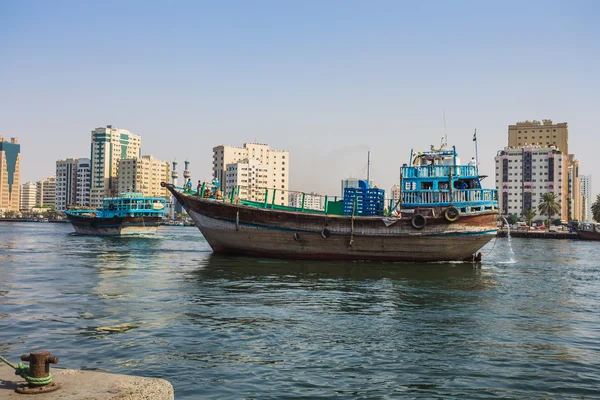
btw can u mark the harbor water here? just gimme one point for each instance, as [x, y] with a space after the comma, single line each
[523, 325]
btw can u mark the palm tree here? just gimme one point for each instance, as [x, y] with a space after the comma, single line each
[549, 206]
[596, 209]
[529, 215]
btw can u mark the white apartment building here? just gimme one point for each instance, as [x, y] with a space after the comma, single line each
[28, 196]
[46, 192]
[109, 145]
[72, 183]
[524, 174]
[312, 201]
[143, 175]
[586, 192]
[251, 177]
[276, 163]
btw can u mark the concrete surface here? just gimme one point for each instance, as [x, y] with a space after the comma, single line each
[89, 385]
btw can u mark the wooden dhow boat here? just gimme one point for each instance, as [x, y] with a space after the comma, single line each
[588, 231]
[124, 215]
[443, 214]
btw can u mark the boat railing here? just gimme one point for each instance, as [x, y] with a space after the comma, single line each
[438, 171]
[280, 199]
[432, 197]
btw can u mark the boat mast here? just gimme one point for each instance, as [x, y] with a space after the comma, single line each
[369, 168]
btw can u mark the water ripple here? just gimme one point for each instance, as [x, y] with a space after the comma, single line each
[523, 325]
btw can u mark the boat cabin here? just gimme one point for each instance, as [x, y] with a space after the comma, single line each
[133, 205]
[436, 179]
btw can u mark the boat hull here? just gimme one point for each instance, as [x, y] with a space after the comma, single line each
[236, 229]
[588, 235]
[125, 226]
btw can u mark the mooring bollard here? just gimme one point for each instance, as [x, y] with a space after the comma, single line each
[38, 376]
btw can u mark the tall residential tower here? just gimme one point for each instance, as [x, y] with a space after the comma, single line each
[109, 145]
[72, 183]
[586, 192]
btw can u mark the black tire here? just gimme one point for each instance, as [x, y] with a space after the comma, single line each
[296, 236]
[451, 214]
[418, 221]
[325, 233]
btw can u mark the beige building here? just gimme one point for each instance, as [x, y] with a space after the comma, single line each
[396, 192]
[28, 196]
[10, 174]
[46, 192]
[529, 134]
[545, 133]
[143, 175]
[109, 145]
[276, 163]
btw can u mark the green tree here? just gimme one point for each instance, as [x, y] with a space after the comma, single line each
[549, 206]
[512, 219]
[10, 214]
[529, 215]
[596, 209]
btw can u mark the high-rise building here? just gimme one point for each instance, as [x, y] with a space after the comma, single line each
[46, 192]
[10, 174]
[574, 189]
[545, 133]
[276, 163]
[586, 192]
[28, 196]
[524, 174]
[312, 201]
[72, 183]
[109, 145]
[143, 175]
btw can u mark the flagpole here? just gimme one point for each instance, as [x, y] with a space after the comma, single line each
[476, 155]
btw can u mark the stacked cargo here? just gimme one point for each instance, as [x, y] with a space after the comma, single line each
[364, 201]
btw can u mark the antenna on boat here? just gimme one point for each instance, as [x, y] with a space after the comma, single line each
[476, 156]
[445, 133]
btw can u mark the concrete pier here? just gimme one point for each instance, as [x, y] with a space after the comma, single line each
[88, 385]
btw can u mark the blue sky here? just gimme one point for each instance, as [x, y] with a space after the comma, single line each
[325, 80]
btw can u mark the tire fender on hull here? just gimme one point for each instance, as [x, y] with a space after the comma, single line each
[451, 214]
[418, 221]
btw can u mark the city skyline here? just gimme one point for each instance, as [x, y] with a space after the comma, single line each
[327, 82]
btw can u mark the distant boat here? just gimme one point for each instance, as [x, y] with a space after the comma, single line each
[588, 231]
[127, 214]
[443, 214]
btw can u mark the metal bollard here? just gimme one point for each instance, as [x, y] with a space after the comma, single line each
[39, 368]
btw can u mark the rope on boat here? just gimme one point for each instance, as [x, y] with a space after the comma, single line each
[23, 372]
[352, 229]
[493, 246]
